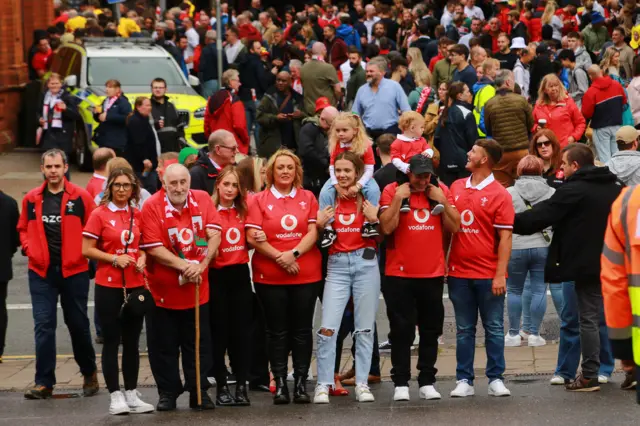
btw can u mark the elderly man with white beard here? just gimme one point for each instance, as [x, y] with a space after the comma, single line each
[181, 235]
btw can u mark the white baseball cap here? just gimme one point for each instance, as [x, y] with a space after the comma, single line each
[518, 43]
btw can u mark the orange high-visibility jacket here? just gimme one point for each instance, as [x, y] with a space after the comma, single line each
[620, 275]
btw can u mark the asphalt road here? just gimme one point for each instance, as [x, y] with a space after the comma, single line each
[534, 402]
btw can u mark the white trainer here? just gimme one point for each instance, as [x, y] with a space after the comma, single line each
[429, 392]
[118, 404]
[557, 380]
[211, 380]
[602, 379]
[463, 389]
[401, 393]
[534, 340]
[512, 341]
[136, 405]
[363, 393]
[524, 334]
[497, 388]
[321, 394]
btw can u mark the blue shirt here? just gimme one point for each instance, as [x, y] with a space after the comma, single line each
[379, 110]
[468, 76]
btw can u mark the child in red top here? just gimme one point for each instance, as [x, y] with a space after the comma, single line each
[408, 144]
[348, 134]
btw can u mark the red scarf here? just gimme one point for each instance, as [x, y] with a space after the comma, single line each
[187, 243]
[424, 95]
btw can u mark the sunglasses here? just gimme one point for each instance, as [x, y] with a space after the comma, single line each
[543, 143]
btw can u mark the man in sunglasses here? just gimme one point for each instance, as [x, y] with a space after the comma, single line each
[626, 162]
[222, 152]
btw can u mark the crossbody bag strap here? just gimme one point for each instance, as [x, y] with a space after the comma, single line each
[285, 102]
[544, 232]
[126, 249]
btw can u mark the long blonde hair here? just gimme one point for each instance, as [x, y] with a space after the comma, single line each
[543, 98]
[417, 64]
[549, 12]
[360, 141]
[607, 61]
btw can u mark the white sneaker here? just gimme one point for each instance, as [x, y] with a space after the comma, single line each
[534, 340]
[463, 389]
[211, 380]
[524, 334]
[136, 405]
[512, 341]
[118, 405]
[429, 392]
[602, 379]
[441, 340]
[401, 393]
[321, 395]
[497, 388]
[363, 393]
[557, 380]
[290, 377]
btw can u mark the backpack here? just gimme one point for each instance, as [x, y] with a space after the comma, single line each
[583, 68]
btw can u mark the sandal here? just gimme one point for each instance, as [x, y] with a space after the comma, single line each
[272, 384]
[337, 389]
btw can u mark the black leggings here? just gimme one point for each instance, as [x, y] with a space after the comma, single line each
[231, 309]
[288, 311]
[4, 317]
[128, 328]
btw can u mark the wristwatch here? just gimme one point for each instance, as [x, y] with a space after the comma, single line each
[296, 253]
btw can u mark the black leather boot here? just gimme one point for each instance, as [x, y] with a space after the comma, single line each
[207, 404]
[167, 402]
[224, 397]
[282, 392]
[242, 398]
[300, 395]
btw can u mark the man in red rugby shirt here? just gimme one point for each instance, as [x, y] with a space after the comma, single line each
[101, 157]
[180, 229]
[480, 251]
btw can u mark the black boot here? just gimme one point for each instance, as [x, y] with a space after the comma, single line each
[224, 397]
[282, 392]
[300, 395]
[207, 403]
[242, 398]
[167, 402]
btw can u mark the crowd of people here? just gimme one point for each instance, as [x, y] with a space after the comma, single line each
[496, 138]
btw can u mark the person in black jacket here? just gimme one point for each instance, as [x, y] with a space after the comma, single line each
[112, 116]
[209, 65]
[540, 66]
[58, 116]
[221, 152]
[456, 133]
[427, 46]
[313, 149]
[578, 212]
[143, 147]
[166, 121]
[9, 243]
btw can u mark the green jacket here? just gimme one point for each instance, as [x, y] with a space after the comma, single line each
[595, 38]
[508, 119]
[357, 78]
[442, 73]
[270, 139]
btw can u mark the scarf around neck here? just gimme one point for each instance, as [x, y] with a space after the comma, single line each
[189, 243]
[49, 104]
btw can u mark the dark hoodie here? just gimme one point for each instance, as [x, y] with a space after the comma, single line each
[171, 135]
[578, 212]
[203, 173]
[253, 75]
[456, 137]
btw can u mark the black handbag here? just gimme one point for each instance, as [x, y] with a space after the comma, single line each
[139, 301]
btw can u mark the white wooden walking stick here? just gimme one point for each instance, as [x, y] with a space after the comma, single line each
[198, 385]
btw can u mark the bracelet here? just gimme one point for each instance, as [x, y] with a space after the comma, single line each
[115, 259]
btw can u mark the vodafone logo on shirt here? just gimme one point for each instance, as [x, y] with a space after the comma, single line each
[346, 220]
[467, 219]
[126, 237]
[185, 235]
[233, 236]
[289, 222]
[421, 216]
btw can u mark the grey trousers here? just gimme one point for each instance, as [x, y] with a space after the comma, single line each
[590, 309]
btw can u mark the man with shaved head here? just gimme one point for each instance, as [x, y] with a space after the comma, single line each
[280, 117]
[603, 103]
[319, 79]
[313, 149]
[181, 229]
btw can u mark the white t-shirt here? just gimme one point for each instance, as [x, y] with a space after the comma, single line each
[232, 51]
[193, 39]
[474, 12]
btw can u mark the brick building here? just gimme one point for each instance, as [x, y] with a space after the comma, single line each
[18, 20]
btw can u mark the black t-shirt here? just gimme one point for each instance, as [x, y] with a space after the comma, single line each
[52, 220]
[507, 60]
[385, 176]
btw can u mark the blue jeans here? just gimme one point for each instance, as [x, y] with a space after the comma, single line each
[604, 141]
[371, 193]
[74, 294]
[468, 297]
[556, 297]
[251, 111]
[348, 275]
[209, 87]
[569, 350]
[526, 261]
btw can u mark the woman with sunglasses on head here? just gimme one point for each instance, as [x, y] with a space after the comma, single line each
[112, 238]
[545, 146]
[286, 269]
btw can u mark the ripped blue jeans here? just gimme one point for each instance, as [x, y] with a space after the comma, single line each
[348, 275]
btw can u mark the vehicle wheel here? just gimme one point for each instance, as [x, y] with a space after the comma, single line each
[82, 151]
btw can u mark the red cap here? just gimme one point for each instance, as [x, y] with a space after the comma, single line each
[322, 103]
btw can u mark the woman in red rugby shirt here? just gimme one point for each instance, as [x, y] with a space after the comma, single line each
[286, 269]
[230, 290]
[352, 271]
[112, 227]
